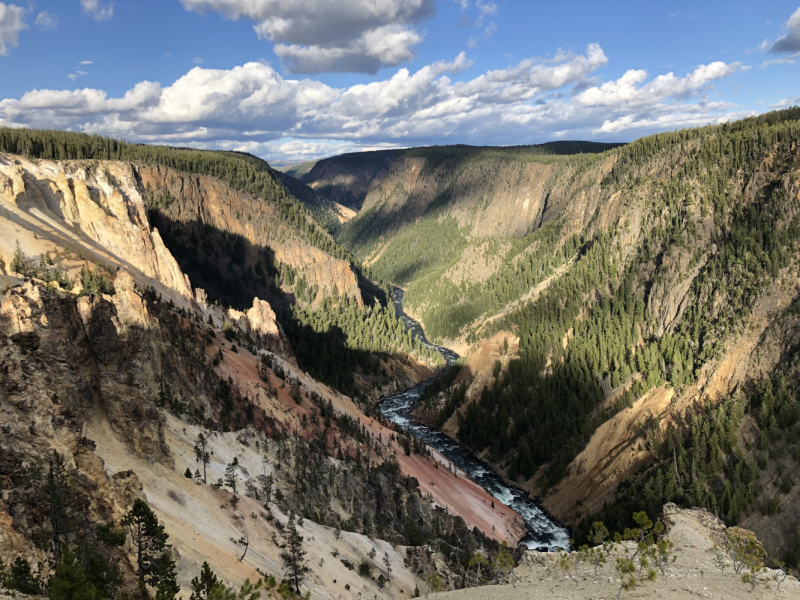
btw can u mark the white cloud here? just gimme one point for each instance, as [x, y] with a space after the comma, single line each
[313, 36]
[627, 91]
[46, 21]
[100, 10]
[789, 43]
[253, 107]
[786, 102]
[198, 61]
[388, 45]
[86, 62]
[11, 24]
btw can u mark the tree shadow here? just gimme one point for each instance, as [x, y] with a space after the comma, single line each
[233, 271]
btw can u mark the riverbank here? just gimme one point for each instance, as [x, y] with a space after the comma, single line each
[455, 492]
[542, 530]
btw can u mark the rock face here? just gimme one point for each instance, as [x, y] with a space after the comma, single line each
[101, 357]
[488, 197]
[259, 323]
[262, 319]
[346, 181]
[204, 200]
[95, 206]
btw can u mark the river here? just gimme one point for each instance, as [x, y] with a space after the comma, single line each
[543, 533]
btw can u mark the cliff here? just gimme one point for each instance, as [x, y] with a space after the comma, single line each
[647, 286]
[196, 203]
[120, 386]
[94, 209]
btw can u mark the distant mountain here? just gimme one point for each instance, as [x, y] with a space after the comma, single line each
[300, 171]
[347, 178]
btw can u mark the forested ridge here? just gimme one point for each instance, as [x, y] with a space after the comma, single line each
[688, 231]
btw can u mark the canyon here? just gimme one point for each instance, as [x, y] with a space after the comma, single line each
[431, 356]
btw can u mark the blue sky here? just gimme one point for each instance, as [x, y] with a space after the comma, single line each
[294, 80]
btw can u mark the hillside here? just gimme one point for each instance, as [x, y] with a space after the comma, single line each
[146, 302]
[648, 285]
[628, 317]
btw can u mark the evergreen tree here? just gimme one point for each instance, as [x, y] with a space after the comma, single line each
[150, 542]
[230, 474]
[167, 587]
[19, 263]
[70, 581]
[202, 454]
[22, 578]
[204, 583]
[293, 553]
[62, 503]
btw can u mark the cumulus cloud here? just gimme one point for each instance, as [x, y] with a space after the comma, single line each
[46, 21]
[789, 43]
[314, 36]
[628, 91]
[101, 11]
[11, 24]
[253, 108]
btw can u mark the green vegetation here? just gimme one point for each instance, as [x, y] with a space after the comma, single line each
[595, 328]
[335, 340]
[529, 262]
[293, 555]
[204, 251]
[702, 463]
[154, 563]
[80, 551]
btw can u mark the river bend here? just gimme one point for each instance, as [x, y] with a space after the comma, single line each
[543, 533]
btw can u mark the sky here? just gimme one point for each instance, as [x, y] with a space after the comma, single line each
[296, 80]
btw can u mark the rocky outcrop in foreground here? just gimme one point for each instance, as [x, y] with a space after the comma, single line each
[701, 568]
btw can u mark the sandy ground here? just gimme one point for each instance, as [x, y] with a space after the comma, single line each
[203, 526]
[693, 575]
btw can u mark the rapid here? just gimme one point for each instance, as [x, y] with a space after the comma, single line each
[543, 532]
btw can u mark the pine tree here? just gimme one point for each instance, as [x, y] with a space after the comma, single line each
[150, 541]
[19, 263]
[387, 563]
[22, 578]
[70, 581]
[293, 553]
[230, 474]
[61, 502]
[101, 568]
[167, 587]
[202, 455]
[202, 585]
